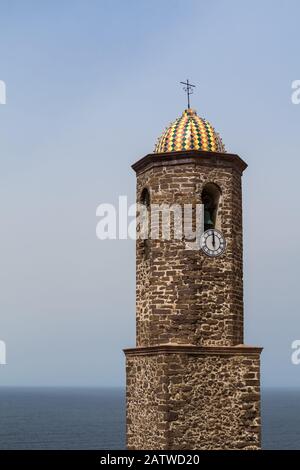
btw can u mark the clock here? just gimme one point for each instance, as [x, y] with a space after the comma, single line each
[213, 243]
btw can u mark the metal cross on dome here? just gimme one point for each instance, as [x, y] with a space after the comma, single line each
[189, 90]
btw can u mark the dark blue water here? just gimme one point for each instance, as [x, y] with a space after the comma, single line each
[49, 418]
[62, 418]
[281, 419]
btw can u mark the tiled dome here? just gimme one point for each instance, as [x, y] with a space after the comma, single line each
[189, 132]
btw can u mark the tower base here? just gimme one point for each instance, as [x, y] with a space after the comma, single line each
[190, 397]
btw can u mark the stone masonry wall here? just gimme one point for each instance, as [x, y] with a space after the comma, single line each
[182, 295]
[146, 384]
[193, 401]
[191, 383]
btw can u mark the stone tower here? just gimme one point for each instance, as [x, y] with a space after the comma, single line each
[191, 382]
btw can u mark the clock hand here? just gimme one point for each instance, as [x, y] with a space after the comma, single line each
[213, 240]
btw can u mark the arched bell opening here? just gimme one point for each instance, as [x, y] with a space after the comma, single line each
[145, 201]
[210, 197]
[145, 197]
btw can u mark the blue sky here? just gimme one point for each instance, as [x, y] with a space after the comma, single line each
[90, 86]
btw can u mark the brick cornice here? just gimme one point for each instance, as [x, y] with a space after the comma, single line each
[238, 350]
[210, 159]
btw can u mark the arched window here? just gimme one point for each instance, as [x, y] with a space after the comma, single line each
[145, 197]
[210, 198]
[145, 228]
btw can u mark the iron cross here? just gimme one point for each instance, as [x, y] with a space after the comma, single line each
[189, 90]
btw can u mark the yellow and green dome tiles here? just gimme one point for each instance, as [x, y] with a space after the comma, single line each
[189, 132]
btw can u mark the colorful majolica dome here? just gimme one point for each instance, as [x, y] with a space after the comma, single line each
[189, 132]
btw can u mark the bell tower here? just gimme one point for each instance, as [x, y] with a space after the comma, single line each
[191, 382]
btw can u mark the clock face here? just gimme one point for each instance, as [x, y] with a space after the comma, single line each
[213, 243]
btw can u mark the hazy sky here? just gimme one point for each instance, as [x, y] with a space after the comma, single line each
[90, 86]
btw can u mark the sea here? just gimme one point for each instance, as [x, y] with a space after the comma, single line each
[94, 418]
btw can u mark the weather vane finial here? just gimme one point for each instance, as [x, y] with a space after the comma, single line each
[189, 90]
